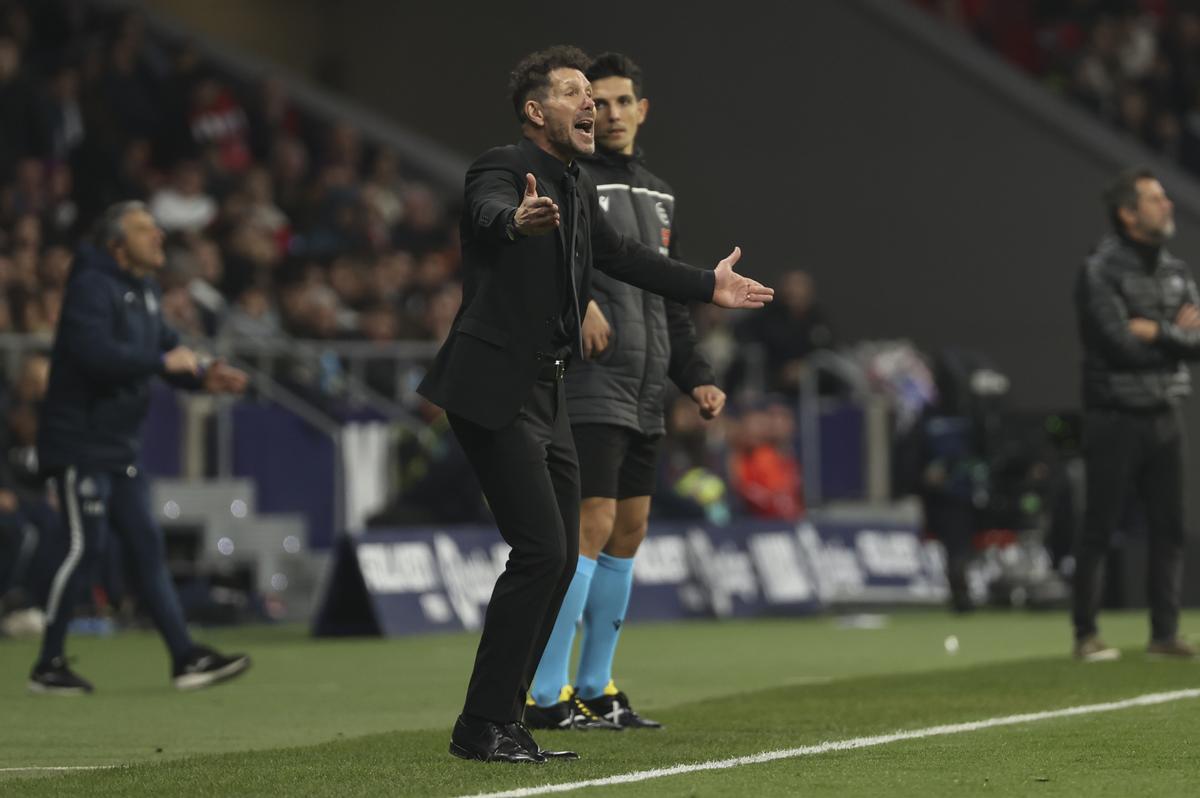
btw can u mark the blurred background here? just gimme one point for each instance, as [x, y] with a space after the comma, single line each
[919, 179]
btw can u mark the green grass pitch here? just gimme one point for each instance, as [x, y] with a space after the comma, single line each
[372, 717]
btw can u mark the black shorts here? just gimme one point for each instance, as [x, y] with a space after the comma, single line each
[615, 462]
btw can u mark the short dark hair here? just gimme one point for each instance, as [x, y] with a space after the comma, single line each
[616, 65]
[1122, 192]
[108, 228]
[531, 76]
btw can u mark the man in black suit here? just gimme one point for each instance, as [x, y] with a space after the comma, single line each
[532, 230]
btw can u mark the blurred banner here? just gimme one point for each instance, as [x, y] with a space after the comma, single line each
[408, 581]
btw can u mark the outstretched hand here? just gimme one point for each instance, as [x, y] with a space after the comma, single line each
[535, 215]
[220, 377]
[732, 290]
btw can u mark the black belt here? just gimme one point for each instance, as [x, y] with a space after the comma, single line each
[553, 368]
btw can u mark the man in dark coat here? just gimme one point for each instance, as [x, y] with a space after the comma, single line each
[532, 229]
[1139, 322]
[111, 342]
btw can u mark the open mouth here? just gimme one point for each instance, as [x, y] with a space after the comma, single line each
[585, 126]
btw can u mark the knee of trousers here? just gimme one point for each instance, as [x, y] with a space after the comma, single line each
[545, 562]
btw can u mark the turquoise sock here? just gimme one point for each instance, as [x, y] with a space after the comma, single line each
[552, 672]
[603, 615]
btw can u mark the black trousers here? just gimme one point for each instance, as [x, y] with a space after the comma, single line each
[1139, 454]
[530, 476]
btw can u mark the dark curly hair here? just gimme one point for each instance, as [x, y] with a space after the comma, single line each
[530, 78]
[616, 65]
[1122, 192]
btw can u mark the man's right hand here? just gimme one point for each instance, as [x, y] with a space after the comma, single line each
[181, 360]
[596, 331]
[535, 215]
[1144, 329]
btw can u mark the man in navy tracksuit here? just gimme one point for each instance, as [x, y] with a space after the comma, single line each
[111, 342]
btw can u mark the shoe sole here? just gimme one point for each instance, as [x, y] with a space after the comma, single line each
[591, 725]
[1108, 655]
[38, 688]
[642, 726]
[197, 681]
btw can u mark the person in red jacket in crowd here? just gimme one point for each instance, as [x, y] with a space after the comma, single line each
[764, 469]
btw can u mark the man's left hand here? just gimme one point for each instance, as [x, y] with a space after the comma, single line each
[224, 378]
[735, 291]
[1188, 318]
[711, 400]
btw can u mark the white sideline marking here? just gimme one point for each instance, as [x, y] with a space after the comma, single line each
[845, 745]
[45, 768]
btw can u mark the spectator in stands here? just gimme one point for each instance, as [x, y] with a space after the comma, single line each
[130, 90]
[220, 127]
[29, 526]
[22, 133]
[783, 335]
[61, 213]
[441, 310]
[437, 484]
[383, 188]
[272, 115]
[691, 481]
[64, 114]
[289, 166]
[182, 205]
[252, 316]
[764, 471]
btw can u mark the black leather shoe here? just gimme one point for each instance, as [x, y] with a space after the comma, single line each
[520, 732]
[485, 741]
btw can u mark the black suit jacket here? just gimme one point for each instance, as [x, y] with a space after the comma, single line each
[513, 290]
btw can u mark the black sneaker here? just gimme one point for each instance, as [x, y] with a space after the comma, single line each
[616, 709]
[584, 717]
[555, 716]
[568, 714]
[204, 667]
[55, 678]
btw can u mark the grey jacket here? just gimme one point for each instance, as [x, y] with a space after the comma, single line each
[1119, 281]
[653, 338]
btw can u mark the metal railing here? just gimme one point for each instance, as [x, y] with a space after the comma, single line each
[339, 368]
[261, 359]
[876, 455]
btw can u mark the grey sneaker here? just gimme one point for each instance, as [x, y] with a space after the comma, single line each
[1093, 649]
[1174, 648]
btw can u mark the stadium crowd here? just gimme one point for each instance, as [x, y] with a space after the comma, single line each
[278, 222]
[1134, 63]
